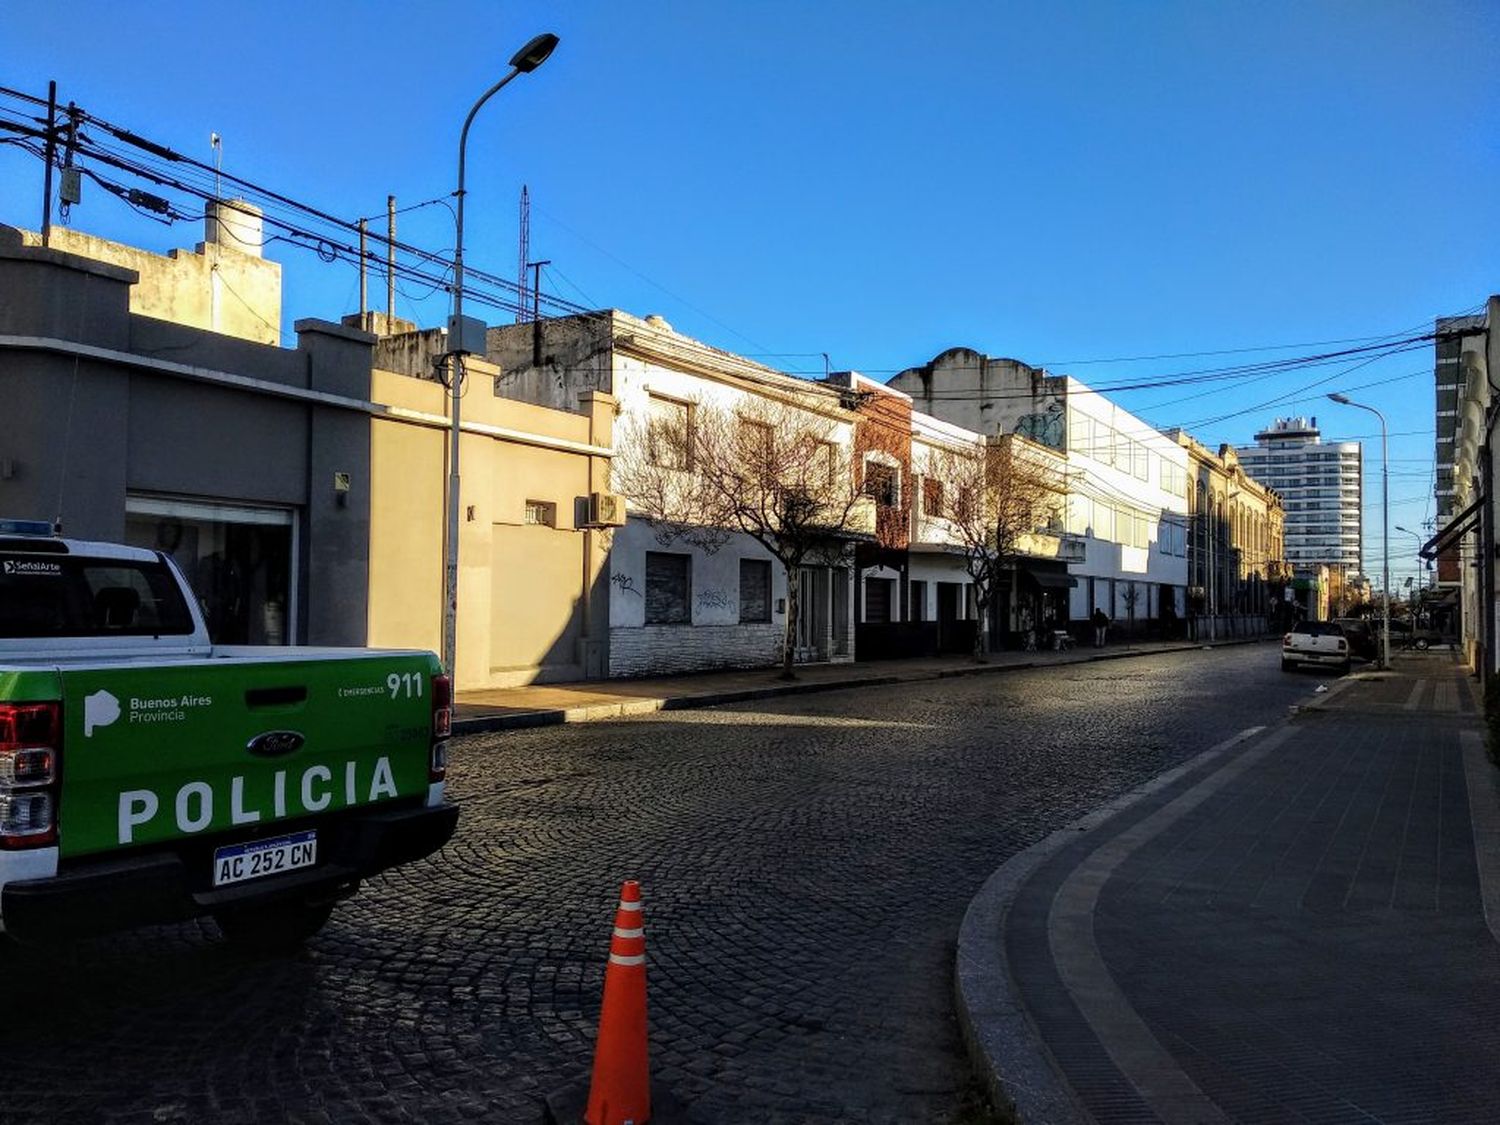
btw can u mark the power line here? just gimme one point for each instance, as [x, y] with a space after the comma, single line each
[165, 167]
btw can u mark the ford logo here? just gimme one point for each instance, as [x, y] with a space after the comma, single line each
[275, 743]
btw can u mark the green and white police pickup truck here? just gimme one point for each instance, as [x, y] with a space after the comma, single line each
[148, 775]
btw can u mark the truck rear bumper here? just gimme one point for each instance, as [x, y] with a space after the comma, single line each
[1331, 658]
[145, 890]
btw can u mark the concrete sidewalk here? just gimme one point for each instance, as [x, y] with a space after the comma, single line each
[1301, 924]
[548, 704]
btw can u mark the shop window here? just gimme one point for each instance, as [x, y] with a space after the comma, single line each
[668, 588]
[238, 560]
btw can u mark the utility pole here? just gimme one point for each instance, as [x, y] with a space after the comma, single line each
[390, 259]
[69, 188]
[47, 160]
[536, 310]
[364, 295]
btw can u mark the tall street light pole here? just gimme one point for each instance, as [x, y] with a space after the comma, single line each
[1385, 526]
[1421, 582]
[465, 339]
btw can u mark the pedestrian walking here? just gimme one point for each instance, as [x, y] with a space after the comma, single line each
[1101, 623]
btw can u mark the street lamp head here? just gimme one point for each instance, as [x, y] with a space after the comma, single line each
[1342, 399]
[535, 53]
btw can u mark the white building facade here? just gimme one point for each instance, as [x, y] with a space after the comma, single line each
[1321, 487]
[674, 604]
[941, 587]
[1126, 520]
[1128, 501]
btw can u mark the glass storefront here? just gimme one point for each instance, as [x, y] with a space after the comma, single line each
[238, 559]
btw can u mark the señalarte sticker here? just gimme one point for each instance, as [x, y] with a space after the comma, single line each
[37, 568]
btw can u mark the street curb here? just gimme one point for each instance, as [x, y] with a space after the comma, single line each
[1341, 685]
[1003, 1044]
[602, 712]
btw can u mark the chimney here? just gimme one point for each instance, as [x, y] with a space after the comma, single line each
[235, 224]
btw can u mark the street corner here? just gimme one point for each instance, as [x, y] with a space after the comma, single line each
[1031, 920]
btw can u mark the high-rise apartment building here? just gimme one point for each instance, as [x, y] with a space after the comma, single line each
[1321, 488]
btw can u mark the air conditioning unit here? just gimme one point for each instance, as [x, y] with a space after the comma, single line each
[606, 509]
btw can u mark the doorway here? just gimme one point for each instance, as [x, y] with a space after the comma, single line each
[840, 611]
[812, 616]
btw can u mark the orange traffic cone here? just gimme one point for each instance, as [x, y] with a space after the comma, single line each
[620, 1092]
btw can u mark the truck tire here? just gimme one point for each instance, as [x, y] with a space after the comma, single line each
[1288, 665]
[1346, 667]
[1421, 644]
[278, 928]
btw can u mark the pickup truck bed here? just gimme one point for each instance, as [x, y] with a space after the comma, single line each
[1313, 643]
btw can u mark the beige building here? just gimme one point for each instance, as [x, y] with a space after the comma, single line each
[1236, 542]
[533, 572]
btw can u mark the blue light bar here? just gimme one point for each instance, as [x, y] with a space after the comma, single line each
[25, 527]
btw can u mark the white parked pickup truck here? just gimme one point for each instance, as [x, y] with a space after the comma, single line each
[1314, 643]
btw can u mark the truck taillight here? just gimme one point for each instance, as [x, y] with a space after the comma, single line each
[442, 727]
[30, 748]
[1286, 641]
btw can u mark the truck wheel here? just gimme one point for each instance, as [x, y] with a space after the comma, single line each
[279, 928]
[1346, 667]
[1288, 665]
[1421, 644]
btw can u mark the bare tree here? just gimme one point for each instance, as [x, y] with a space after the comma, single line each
[767, 467]
[992, 497]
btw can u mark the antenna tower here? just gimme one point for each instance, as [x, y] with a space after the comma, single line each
[523, 305]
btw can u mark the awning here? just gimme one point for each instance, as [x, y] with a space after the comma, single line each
[1460, 525]
[1050, 579]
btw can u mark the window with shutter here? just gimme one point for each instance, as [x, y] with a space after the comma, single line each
[668, 589]
[755, 590]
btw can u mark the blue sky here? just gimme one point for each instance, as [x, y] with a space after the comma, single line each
[1062, 183]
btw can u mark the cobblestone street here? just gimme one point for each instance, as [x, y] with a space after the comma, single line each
[805, 864]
